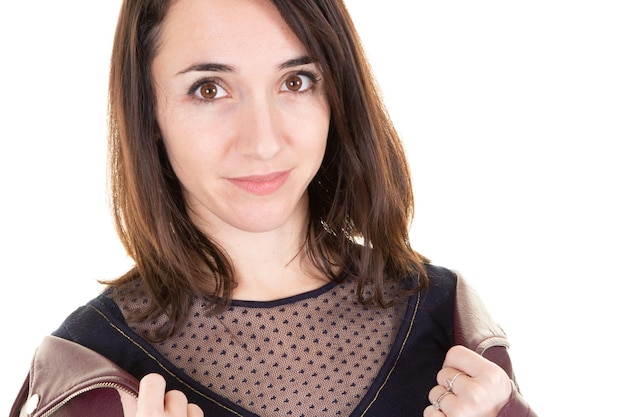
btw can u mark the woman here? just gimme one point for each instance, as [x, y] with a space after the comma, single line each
[264, 195]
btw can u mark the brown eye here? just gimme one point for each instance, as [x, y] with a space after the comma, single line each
[294, 83]
[208, 90]
[299, 83]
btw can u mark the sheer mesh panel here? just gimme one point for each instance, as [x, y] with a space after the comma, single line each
[313, 354]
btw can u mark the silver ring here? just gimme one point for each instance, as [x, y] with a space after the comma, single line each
[450, 383]
[437, 403]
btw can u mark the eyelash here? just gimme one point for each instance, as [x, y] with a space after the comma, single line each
[313, 76]
[195, 87]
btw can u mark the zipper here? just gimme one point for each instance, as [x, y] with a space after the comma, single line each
[98, 385]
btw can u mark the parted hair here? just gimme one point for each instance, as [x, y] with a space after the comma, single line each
[360, 201]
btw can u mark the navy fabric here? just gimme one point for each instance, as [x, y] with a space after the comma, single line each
[401, 388]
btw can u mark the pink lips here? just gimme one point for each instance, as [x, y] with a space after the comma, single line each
[261, 184]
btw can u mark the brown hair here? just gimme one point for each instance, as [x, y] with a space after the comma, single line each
[362, 192]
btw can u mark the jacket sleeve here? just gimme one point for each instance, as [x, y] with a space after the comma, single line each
[20, 400]
[475, 329]
[69, 380]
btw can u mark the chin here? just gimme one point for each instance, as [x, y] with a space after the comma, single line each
[262, 222]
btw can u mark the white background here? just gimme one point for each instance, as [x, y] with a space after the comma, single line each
[514, 118]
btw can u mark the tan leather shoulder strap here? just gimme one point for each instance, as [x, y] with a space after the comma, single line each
[473, 325]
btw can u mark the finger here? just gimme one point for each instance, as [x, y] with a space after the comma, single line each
[175, 403]
[485, 383]
[453, 379]
[469, 362]
[442, 400]
[151, 394]
[194, 411]
[431, 411]
[438, 393]
[479, 369]
[465, 360]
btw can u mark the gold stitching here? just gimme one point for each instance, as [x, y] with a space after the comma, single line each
[163, 366]
[395, 363]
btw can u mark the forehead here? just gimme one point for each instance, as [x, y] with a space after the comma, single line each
[226, 29]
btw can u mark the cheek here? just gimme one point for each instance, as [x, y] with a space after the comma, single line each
[317, 144]
[319, 134]
[192, 151]
[311, 127]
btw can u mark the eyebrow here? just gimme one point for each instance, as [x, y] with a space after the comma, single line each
[216, 67]
[303, 60]
[208, 67]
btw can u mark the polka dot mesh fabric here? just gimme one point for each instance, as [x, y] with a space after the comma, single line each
[313, 354]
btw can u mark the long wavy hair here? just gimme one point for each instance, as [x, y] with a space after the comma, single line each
[360, 202]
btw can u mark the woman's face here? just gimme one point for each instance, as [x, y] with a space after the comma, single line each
[242, 112]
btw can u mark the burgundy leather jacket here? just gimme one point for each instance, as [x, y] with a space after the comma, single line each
[67, 379]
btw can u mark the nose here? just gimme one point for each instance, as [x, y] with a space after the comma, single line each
[259, 133]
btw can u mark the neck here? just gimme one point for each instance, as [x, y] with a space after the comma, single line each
[270, 265]
[273, 266]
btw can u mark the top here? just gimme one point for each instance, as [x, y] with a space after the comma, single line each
[315, 354]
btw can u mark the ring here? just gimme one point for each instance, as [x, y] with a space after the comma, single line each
[437, 403]
[450, 383]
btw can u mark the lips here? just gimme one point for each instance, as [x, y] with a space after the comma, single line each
[261, 184]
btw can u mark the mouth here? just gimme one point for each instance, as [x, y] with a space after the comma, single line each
[261, 184]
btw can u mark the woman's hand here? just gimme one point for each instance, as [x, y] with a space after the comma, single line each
[154, 402]
[469, 386]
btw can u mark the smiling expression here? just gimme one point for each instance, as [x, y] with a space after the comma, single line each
[242, 112]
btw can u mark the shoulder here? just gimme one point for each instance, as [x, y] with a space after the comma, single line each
[441, 285]
[100, 326]
[107, 310]
[434, 303]
[441, 277]
[67, 378]
[474, 326]
[434, 290]
[437, 278]
[90, 320]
